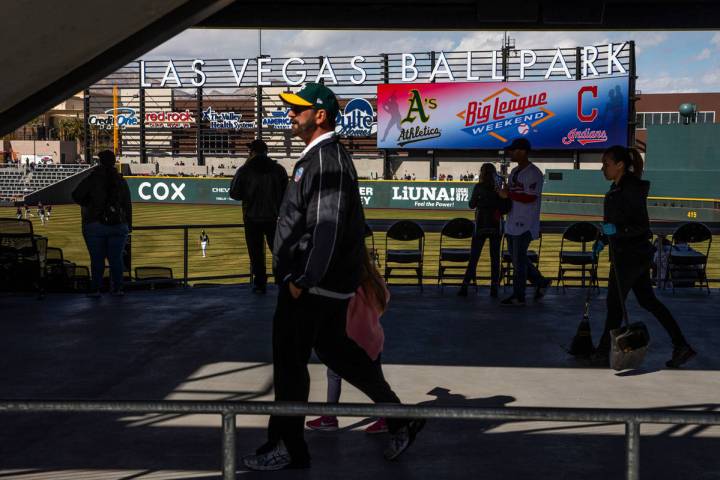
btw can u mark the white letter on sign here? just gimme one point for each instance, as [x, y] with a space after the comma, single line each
[410, 66]
[143, 195]
[177, 191]
[156, 191]
[301, 79]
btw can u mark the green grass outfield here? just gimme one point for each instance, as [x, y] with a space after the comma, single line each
[227, 253]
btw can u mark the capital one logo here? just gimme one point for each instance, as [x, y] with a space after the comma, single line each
[161, 191]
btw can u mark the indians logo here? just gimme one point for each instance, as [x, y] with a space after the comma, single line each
[583, 137]
[504, 112]
[357, 120]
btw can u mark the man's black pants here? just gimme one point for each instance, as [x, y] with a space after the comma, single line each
[256, 234]
[315, 322]
[635, 275]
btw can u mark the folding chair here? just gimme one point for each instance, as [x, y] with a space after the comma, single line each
[686, 263]
[55, 272]
[374, 254]
[22, 256]
[398, 256]
[155, 277]
[455, 244]
[582, 260]
[506, 266]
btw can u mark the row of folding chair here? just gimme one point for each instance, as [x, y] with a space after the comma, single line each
[405, 246]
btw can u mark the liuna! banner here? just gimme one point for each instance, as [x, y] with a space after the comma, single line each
[557, 114]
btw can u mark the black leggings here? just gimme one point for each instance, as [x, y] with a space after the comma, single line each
[636, 277]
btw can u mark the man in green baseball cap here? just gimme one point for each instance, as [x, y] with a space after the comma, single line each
[319, 257]
[312, 106]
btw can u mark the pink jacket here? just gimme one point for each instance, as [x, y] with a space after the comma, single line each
[363, 323]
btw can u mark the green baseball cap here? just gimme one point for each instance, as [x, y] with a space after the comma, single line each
[314, 95]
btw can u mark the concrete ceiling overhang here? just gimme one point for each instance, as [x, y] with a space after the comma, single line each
[471, 14]
[52, 49]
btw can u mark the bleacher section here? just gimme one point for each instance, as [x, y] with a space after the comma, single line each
[12, 183]
[19, 181]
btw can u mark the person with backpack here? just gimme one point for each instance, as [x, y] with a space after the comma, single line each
[626, 227]
[260, 185]
[106, 211]
[489, 209]
[363, 327]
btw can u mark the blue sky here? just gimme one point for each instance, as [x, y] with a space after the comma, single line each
[667, 61]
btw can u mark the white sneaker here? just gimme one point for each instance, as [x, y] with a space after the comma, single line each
[276, 459]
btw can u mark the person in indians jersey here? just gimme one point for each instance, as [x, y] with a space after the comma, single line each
[524, 188]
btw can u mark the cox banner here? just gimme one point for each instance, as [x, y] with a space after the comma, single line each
[410, 195]
[560, 114]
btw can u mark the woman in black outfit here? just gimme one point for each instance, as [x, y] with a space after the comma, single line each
[489, 208]
[106, 220]
[626, 228]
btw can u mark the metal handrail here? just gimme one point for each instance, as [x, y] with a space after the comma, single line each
[632, 418]
[381, 225]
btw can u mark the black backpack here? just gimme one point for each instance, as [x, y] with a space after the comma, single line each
[112, 212]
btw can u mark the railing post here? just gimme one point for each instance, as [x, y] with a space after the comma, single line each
[185, 257]
[228, 445]
[632, 432]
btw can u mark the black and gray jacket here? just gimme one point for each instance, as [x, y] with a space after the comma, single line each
[319, 239]
[626, 206]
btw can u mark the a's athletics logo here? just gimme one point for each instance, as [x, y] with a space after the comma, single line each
[419, 109]
[504, 112]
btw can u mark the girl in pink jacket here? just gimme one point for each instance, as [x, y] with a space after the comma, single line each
[363, 326]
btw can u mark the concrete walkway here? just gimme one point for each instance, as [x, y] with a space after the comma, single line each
[214, 344]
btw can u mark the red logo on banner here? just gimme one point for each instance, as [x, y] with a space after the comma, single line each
[586, 118]
[583, 137]
[493, 113]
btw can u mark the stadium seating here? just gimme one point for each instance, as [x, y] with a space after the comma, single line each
[18, 181]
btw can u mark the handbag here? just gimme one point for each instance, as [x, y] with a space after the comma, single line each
[629, 343]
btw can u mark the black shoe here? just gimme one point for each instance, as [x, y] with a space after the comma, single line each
[680, 356]
[277, 458]
[600, 358]
[463, 291]
[403, 438]
[541, 290]
[493, 291]
[513, 302]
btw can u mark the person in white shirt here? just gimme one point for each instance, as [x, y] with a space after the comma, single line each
[524, 188]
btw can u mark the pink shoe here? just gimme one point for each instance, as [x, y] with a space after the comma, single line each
[378, 427]
[323, 424]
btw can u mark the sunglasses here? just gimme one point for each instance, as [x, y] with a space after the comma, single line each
[298, 109]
